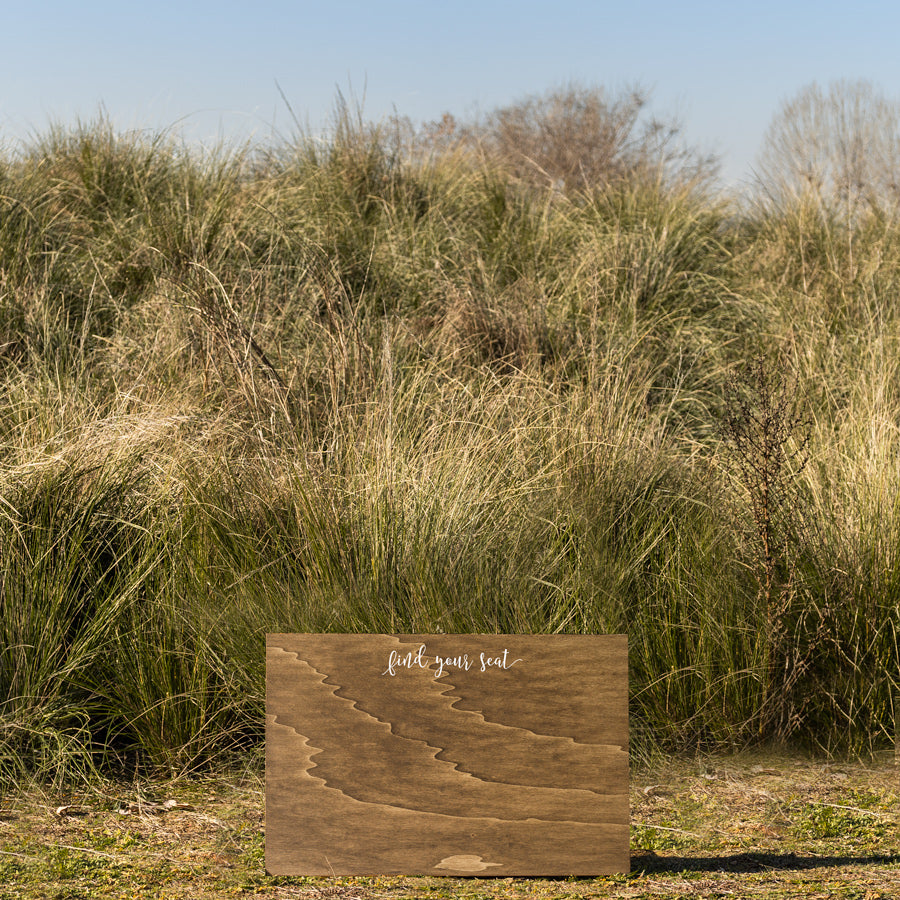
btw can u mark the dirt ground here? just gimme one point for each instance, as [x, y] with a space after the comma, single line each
[749, 826]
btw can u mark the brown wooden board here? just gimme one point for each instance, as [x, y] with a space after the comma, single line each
[446, 754]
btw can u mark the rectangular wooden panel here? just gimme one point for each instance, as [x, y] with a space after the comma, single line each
[446, 754]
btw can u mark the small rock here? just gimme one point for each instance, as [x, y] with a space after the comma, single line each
[65, 812]
[657, 790]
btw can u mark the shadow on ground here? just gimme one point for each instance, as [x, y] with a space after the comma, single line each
[753, 862]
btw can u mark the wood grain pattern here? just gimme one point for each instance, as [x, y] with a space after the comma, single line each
[510, 758]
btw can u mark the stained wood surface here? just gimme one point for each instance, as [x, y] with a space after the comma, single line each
[516, 765]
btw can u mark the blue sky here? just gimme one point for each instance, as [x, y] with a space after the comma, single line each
[213, 68]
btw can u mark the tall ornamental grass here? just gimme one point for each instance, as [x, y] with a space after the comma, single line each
[393, 381]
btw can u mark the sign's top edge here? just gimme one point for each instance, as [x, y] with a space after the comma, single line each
[440, 634]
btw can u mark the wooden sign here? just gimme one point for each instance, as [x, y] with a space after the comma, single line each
[446, 754]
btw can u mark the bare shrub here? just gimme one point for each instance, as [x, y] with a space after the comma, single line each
[577, 137]
[839, 146]
[768, 436]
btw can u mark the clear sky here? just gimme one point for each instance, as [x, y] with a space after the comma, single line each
[213, 68]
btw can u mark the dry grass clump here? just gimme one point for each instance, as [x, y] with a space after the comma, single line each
[376, 384]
